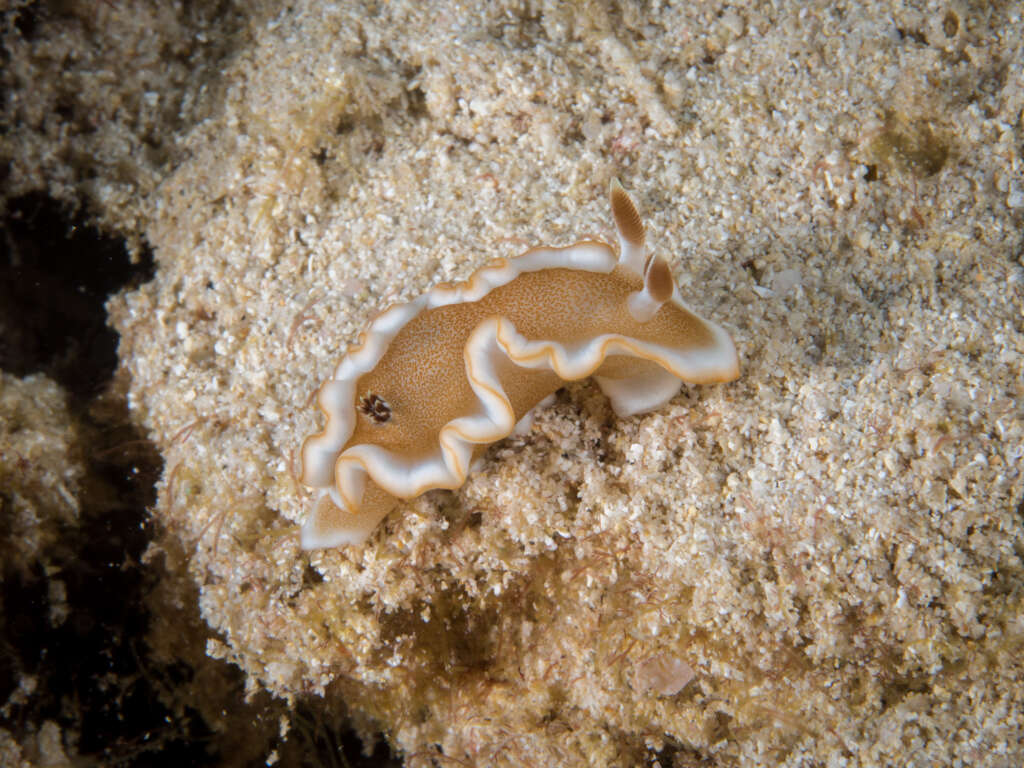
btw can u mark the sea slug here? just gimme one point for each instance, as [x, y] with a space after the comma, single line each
[431, 383]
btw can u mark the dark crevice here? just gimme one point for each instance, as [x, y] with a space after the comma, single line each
[90, 670]
[56, 273]
[93, 671]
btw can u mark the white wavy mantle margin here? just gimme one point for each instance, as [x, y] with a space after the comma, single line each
[337, 396]
[341, 476]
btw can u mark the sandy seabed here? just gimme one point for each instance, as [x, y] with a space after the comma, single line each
[828, 550]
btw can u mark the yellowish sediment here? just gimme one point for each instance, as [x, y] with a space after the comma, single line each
[41, 472]
[832, 544]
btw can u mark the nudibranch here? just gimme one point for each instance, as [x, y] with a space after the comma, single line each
[431, 383]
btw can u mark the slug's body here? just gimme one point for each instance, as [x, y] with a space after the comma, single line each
[433, 382]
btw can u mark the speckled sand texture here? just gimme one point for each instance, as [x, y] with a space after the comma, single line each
[41, 470]
[831, 546]
[41, 474]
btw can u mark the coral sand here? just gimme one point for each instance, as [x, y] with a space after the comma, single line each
[819, 563]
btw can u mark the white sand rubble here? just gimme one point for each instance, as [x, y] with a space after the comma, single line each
[831, 545]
